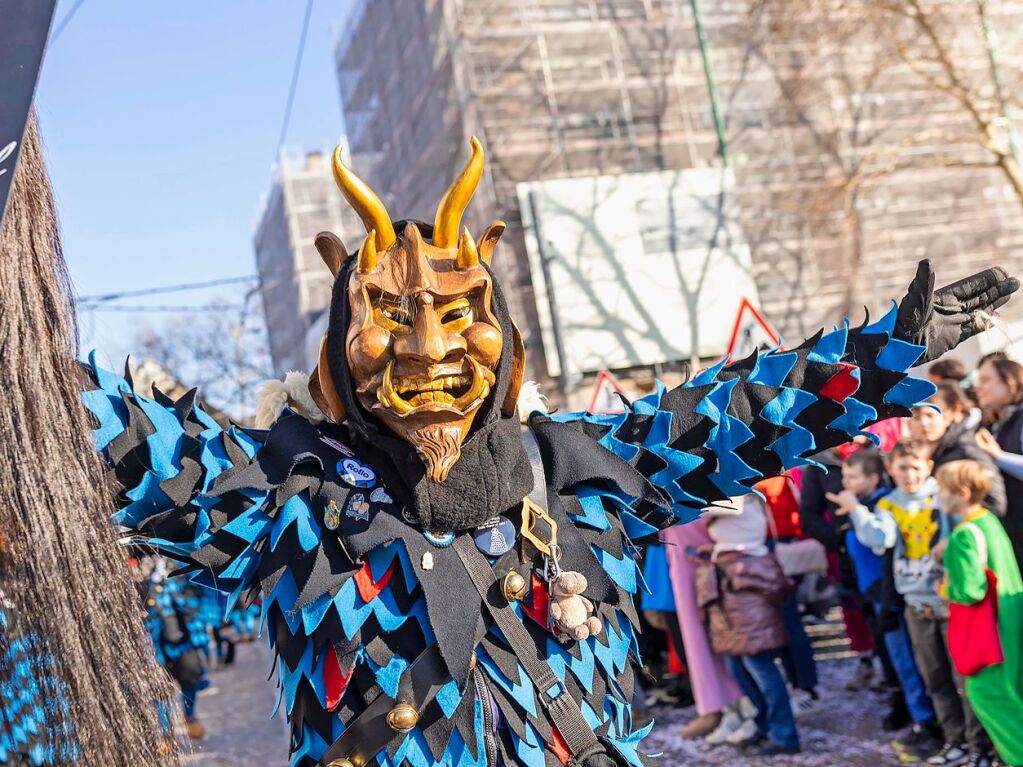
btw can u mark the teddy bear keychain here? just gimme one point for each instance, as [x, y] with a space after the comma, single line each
[570, 612]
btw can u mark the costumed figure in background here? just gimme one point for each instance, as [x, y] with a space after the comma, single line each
[78, 680]
[178, 630]
[439, 585]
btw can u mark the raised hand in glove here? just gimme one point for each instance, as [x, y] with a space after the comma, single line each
[944, 318]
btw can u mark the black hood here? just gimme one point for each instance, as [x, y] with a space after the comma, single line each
[493, 472]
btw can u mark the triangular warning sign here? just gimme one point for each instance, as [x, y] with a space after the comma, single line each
[750, 332]
[605, 397]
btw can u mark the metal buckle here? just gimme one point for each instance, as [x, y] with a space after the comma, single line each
[535, 522]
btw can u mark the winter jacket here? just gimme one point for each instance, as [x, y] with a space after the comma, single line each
[739, 596]
[911, 524]
[960, 443]
[869, 564]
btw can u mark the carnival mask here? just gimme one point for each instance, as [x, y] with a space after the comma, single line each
[423, 343]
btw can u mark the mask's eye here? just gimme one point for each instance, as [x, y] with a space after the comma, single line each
[456, 315]
[393, 317]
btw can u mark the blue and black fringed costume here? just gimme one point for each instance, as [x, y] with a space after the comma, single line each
[35, 720]
[353, 591]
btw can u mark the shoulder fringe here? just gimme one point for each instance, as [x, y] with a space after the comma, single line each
[293, 392]
[530, 400]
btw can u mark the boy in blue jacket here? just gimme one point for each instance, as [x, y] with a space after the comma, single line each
[863, 482]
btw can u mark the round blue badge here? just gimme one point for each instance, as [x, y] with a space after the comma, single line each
[356, 473]
[495, 536]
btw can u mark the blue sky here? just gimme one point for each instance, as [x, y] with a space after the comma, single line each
[160, 122]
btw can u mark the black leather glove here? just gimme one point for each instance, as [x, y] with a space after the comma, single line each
[944, 318]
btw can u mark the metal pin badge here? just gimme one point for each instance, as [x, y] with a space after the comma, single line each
[331, 516]
[495, 536]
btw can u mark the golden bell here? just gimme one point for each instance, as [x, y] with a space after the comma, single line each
[513, 587]
[402, 718]
[341, 763]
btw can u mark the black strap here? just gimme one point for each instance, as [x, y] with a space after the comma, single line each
[369, 733]
[554, 696]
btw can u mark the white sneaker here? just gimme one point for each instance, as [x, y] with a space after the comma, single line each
[730, 722]
[803, 702]
[746, 731]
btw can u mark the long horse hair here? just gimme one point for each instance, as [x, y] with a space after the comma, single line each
[60, 565]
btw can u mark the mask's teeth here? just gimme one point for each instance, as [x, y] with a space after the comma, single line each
[388, 397]
[478, 391]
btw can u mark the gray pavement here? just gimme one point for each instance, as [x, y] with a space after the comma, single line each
[843, 731]
[236, 711]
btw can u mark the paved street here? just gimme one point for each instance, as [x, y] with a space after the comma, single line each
[236, 711]
[844, 731]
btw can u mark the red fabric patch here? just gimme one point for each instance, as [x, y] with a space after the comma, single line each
[559, 748]
[537, 609]
[369, 590]
[334, 679]
[842, 384]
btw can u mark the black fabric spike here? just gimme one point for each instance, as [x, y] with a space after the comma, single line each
[174, 525]
[309, 711]
[464, 720]
[454, 620]
[133, 439]
[182, 487]
[331, 568]
[437, 729]
[571, 459]
[233, 450]
[220, 552]
[502, 657]
[289, 647]
[511, 714]
[378, 651]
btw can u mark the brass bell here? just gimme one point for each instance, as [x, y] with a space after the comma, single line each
[341, 763]
[402, 718]
[513, 587]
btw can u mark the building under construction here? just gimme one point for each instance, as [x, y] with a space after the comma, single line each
[295, 285]
[807, 110]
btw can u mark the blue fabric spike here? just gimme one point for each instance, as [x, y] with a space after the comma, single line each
[593, 510]
[350, 608]
[448, 697]
[561, 661]
[314, 613]
[388, 676]
[899, 355]
[297, 510]
[312, 746]
[146, 499]
[622, 571]
[772, 369]
[731, 434]
[856, 415]
[636, 528]
[522, 691]
[709, 375]
[910, 392]
[886, 324]
[831, 346]
[529, 752]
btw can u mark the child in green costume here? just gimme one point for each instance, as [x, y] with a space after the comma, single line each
[996, 692]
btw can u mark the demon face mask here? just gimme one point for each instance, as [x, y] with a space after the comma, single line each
[422, 344]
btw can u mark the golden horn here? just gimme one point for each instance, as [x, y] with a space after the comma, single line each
[452, 205]
[368, 253]
[364, 201]
[468, 256]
